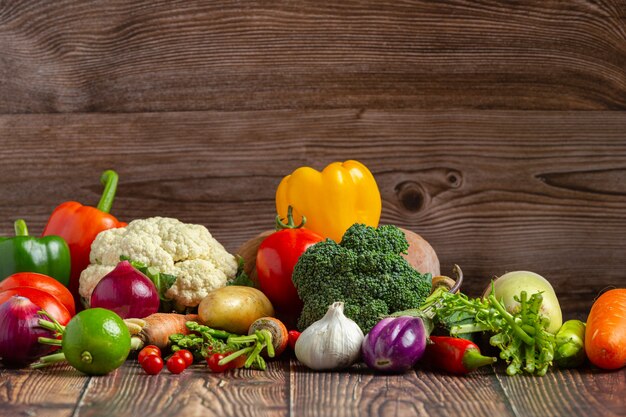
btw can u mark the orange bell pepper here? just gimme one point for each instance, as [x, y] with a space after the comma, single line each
[342, 194]
[79, 225]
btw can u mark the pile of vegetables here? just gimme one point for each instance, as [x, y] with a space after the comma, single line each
[94, 291]
[221, 349]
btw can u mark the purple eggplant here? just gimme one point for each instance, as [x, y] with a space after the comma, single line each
[395, 344]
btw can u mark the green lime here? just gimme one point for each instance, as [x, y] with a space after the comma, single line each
[96, 341]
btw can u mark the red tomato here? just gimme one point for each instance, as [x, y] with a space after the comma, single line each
[42, 299]
[152, 364]
[41, 282]
[175, 364]
[276, 257]
[149, 350]
[293, 338]
[213, 363]
[186, 355]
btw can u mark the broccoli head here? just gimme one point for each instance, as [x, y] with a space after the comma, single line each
[365, 270]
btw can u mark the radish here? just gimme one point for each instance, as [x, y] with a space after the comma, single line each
[510, 285]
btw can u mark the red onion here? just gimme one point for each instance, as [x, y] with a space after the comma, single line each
[127, 292]
[395, 344]
[19, 332]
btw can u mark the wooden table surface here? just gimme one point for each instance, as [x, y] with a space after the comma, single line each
[287, 388]
[496, 130]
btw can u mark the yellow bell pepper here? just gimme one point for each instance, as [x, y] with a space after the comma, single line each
[342, 194]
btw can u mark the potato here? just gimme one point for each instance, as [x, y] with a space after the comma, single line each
[234, 308]
[248, 252]
[421, 255]
[512, 284]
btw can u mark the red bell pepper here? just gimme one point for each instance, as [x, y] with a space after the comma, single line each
[79, 225]
[455, 355]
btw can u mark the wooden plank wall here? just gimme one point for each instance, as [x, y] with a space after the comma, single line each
[146, 56]
[496, 130]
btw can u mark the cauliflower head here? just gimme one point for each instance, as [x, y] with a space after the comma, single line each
[187, 251]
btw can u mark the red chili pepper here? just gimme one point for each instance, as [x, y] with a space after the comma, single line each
[455, 355]
[293, 338]
[79, 225]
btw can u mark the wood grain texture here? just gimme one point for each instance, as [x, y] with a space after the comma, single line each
[196, 392]
[583, 392]
[53, 393]
[289, 389]
[493, 192]
[360, 392]
[120, 56]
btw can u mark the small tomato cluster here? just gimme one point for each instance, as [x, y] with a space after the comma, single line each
[152, 363]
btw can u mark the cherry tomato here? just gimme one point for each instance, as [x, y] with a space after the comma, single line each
[152, 364]
[293, 338]
[41, 299]
[176, 364]
[41, 282]
[186, 355]
[276, 257]
[149, 350]
[213, 363]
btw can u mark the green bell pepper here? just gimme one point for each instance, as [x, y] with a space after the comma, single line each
[48, 255]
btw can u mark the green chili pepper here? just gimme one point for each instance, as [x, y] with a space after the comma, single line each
[570, 344]
[48, 255]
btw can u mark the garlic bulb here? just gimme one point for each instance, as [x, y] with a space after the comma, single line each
[333, 342]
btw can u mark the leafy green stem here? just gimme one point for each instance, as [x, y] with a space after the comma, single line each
[511, 321]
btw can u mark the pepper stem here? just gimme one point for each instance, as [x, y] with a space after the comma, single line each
[20, 228]
[472, 359]
[280, 225]
[109, 179]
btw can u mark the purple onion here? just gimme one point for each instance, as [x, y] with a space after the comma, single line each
[127, 292]
[395, 344]
[19, 332]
